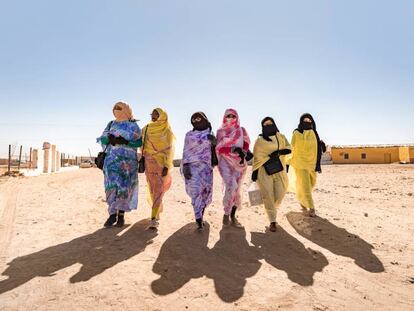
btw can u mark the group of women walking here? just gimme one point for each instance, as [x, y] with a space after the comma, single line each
[229, 150]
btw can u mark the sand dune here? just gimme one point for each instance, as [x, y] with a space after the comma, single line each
[356, 255]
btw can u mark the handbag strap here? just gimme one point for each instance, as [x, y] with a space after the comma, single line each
[278, 145]
[110, 125]
[145, 138]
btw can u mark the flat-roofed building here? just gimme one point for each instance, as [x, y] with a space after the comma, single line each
[372, 154]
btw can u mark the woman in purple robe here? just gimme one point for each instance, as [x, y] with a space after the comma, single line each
[197, 164]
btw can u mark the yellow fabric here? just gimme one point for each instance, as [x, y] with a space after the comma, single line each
[304, 150]
[305, 182]
[262, 149]
[157, 185]
[159, 140]
[273, 189]
[124, 114]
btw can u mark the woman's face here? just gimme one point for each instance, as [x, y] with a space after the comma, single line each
[307, 120]
[267, 122]
[154, 115]
[117, 111]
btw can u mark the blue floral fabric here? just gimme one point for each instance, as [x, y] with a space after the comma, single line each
[121, 166]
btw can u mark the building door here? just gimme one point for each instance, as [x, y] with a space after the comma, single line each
[387, 158]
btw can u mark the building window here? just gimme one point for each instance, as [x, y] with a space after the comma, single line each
[346, 156]
[363, 156]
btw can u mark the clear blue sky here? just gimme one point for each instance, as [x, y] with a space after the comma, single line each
[63, 64]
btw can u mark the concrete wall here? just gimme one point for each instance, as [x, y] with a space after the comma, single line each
[51, 158]
[45, 161]
[374, 155]
[326, 158]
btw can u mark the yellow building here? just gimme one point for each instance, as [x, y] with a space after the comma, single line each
[372, 154]
[411, 154]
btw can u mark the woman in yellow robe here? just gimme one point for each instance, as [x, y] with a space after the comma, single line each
[307, 151]
[158, 151]
[270, 146]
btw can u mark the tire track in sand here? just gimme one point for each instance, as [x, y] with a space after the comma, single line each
[8, 201]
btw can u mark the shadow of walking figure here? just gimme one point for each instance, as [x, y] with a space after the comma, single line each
[284, 252]
[337, 240]
[96, 252]
[185, 256]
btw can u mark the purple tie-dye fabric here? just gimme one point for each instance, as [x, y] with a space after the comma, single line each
[197, 147]
[197, 155]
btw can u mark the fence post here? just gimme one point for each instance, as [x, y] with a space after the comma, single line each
[30, 159]
[9, 163]
[20, 158]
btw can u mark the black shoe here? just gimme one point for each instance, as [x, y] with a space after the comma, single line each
[121, 219]
[200, 224]
[233, 218]
[110, 221]
[233, 211]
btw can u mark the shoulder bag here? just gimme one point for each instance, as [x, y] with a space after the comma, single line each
[274, 165]
[100, 159]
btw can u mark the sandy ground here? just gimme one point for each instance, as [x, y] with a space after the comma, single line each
[357, 255]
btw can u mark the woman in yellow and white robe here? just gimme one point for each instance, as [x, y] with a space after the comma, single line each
[270, 144]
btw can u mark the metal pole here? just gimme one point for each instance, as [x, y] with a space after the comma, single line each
[9, 163]
[20, 158]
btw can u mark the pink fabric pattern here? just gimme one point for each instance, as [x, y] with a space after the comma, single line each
[231, 135]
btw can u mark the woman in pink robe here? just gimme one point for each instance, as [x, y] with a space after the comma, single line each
[232, 148]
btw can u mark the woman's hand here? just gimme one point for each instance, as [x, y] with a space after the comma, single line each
[254, 175]
[187, 171]
[240, 152]
[117, 140]
[249, 155]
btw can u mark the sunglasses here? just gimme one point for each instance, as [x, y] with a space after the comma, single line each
[117, 108]
[231, 116]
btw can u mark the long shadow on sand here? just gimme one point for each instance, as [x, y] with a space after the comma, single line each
[337, 240]
[285, 252]
[185, 256]
[96, 252]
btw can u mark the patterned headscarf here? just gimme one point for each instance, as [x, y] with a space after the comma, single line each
[159, 139]
[231, 134]
[124, 112]
[229, 125]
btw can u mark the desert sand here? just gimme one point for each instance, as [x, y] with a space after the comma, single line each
[358, 254]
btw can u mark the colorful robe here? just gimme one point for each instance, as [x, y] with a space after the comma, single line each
[197, 155]
[121, 166]
[231, 170]
[158, 150]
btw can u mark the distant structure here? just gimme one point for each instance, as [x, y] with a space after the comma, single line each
[327, 156]
[372, 154]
